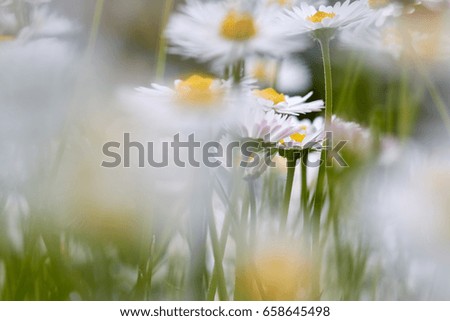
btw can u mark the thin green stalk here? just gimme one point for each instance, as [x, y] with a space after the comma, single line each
[390, 101]
[162, 45]
[218, 265]
[437, 100]
[241, 244]
[434, 93]
[96, 20]
[319, 199]
[290, 163]
[325, 46]
[351, 71]
[404, 119]
[223, 242]
[304, 193]
[145, 265]
[218, 273]
[201, 212]
[274, 81]
[351, 104]
[253, 212]
[238, 71]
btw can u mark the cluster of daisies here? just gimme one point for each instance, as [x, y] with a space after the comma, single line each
[246, 43]
[249, 46]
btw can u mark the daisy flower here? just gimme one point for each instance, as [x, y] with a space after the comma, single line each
[265, 130]
[226, 32]
[270, 127]
[197, 103]
[308, 134]
[194, 92]
[307, 18]
[270, 99]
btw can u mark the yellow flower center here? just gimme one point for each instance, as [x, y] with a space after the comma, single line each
[264, 71]
[259, 71]
[320, 15]
[275, 274]
[297, 137]
[238, 26]
[270, 94]
[197, 90]
[6, 38]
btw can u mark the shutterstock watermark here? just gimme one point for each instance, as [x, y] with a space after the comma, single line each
[188, 151]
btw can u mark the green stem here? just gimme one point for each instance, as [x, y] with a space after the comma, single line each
[274, 81]
[324, 40]
[390, 106]
[351, 109]
[162, 45]
[218, 279]
[241, 245]
[304, 193]
[325, 46]
[238, 71]
[437, 99]
[98, 11]
[253, 212]
[290, 162]
[351, 71]
[223, 243]
[404, 122]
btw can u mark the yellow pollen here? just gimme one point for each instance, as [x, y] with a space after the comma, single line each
[238, 26]
[320, 15]
[297, 137]
[6, 38]
[196, 90]
[270, 94]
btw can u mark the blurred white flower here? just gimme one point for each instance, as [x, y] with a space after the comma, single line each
[35, 90]
[307, 18]
[43, 23]
[194, 92]
[383, 10]
[405, 210]
[289, 75]
[293, 76]
[199, 104]
[412, 36]
[228, 31]
[270, 99]
[359, 139]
